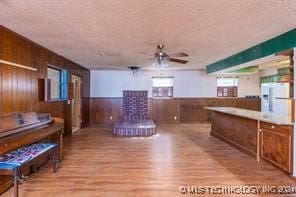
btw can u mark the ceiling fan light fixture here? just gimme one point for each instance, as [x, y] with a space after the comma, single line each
[156, 65]
[161, 58]
[160, 63]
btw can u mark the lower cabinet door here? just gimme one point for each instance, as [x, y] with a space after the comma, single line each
[276, 148]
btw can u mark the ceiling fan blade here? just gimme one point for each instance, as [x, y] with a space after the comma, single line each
[178, 60]
[179, 54]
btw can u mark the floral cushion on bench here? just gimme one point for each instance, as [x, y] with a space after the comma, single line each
[25, 154]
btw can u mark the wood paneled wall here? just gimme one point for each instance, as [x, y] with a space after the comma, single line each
[168, 111]
[18, 87]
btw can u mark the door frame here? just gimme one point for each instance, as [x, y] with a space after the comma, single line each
[81, 90]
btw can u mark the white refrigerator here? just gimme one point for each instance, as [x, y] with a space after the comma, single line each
[275, 98]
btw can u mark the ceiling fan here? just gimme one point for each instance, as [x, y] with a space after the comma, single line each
[160, 57]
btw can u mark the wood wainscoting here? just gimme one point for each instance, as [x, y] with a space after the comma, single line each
[18, 92]
[168, 111]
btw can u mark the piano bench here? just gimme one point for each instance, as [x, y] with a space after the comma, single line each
[11, 163]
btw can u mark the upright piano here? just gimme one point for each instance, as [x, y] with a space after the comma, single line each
[22, 129]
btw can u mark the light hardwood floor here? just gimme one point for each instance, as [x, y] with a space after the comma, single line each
[99, 164]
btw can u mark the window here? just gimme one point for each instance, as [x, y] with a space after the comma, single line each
[162, 86]
[57, 83]
[227, 87]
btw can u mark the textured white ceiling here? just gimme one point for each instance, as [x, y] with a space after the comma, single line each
[112, 34]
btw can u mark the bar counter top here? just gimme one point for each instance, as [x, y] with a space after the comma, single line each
[255, 115]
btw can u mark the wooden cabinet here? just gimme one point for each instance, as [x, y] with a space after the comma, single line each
[275, 145]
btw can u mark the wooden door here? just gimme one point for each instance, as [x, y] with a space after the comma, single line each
[76, 103]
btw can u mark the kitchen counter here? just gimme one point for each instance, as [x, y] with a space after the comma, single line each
[264, 136]
[254, 115]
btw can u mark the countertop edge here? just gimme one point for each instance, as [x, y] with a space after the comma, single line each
[258, 119]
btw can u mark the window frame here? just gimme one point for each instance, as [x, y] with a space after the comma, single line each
[63, 83]
[226, 90]
[162, 92]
